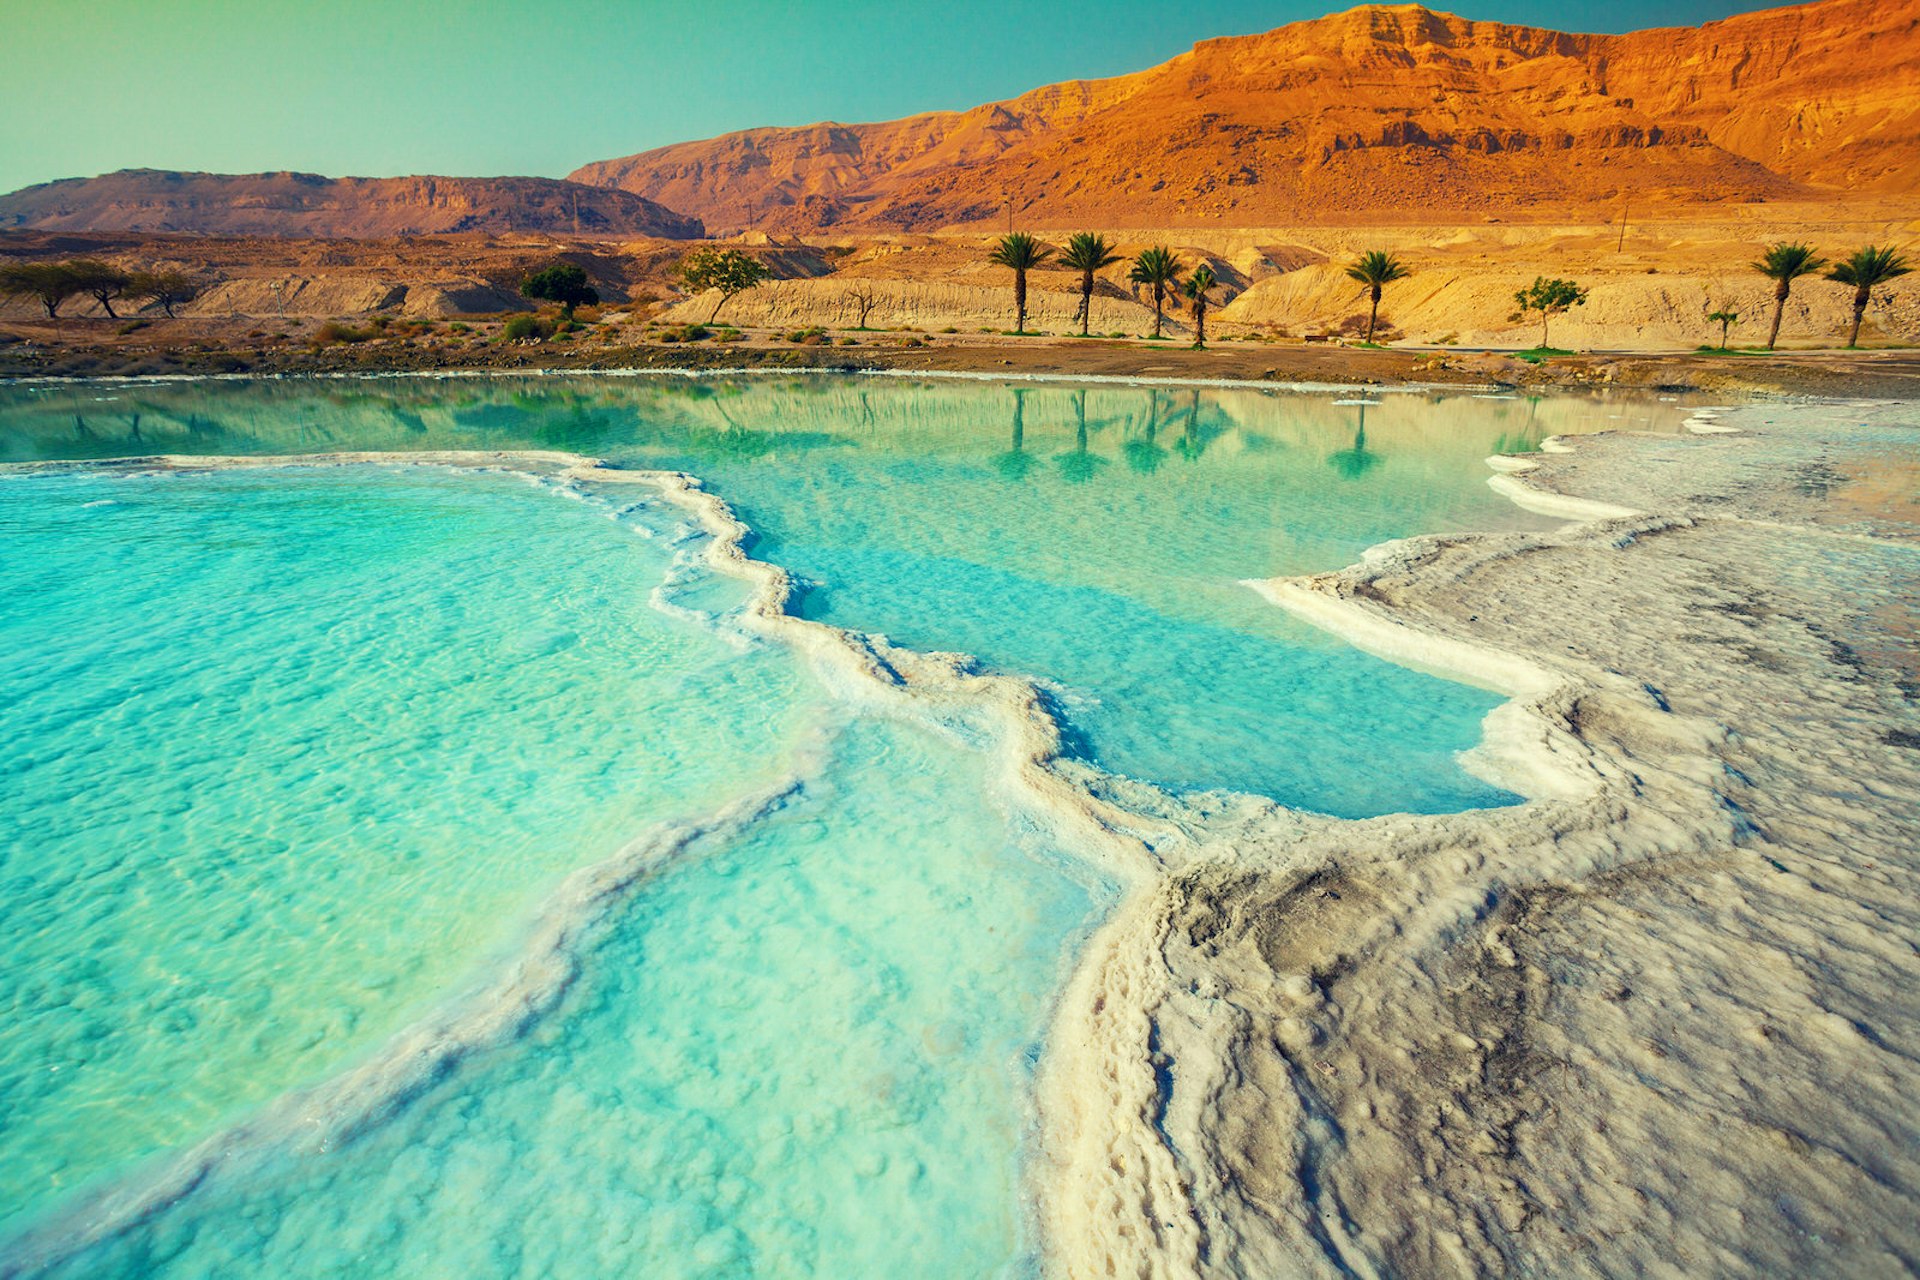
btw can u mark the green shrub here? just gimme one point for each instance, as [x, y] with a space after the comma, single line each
[132, 326]
[522, 327]
[334, 332]
[809, 337]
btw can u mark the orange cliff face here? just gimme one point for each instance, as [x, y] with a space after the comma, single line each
[305, 204]
[1382, 110]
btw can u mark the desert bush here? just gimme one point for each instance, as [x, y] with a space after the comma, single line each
[333, 332]
[809, 337]
[522, 327]
[132, 326]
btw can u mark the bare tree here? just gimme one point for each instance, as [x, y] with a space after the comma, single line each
[860, 299]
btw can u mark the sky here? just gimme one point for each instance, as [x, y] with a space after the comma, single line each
[482, 87]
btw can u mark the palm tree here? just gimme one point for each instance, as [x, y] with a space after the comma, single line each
[1724, 317]
[1866, 269]
[1197, 285]
[1087, 253]
[1159, 270]
[1021, 253]
[1375, 270]
[1783, 264]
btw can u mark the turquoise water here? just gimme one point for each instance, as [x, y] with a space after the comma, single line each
[286, 750]
[298, 755]
[796, 1057]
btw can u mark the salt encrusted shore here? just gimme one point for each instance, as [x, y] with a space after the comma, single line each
[1659, 1021]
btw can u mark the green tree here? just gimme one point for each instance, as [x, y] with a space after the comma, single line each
[1159, 270]
[100, 280]
[1784, 263]
[1197, 287]
[1867, 269]
[1550, 298]
[1087, 253]
[728, 270]
[1376, 270]
[1724, 318]
[168, 288]
[564, 283]
[52, 283]
[1020, 253]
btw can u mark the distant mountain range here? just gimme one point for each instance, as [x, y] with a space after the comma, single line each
[1382, 109]
[305, 204]
[1393, 111]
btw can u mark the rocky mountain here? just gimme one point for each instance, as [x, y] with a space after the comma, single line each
[1382, 109]
[305, 204]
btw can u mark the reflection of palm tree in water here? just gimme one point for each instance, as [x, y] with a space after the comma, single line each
[1355, 462]
[1016, 461]
[1144, 454]
[1079, 466]
[1192, 445]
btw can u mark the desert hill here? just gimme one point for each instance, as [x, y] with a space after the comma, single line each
[1382, 109]
[307, 205]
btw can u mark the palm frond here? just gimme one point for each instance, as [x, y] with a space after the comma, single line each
[1376, 267]
[1786, 261]
[1019, 251]
[1201, 281]
[1155, 266]
[1869, 267]
[1088, 252]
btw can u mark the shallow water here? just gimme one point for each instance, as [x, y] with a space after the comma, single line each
[1094, 539]
[298, 753]
[286, 749]
[801, 1054]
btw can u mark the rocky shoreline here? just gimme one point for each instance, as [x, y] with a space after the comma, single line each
[1894, 374]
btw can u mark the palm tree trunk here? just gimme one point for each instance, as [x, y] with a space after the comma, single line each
[1543, 329]
[1200, 322]
[1159, 301]
[1020, 301]
[1086, 300]
[1859, 314]
[1779, 309]
[1373, 314]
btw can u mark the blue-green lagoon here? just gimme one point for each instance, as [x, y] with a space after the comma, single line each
[306, 759]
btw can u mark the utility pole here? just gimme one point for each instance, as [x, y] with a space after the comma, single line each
[1621, 246]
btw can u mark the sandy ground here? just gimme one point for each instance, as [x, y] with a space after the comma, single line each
[1659, 1021]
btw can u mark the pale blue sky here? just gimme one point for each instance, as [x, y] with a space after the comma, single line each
[380, 87]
